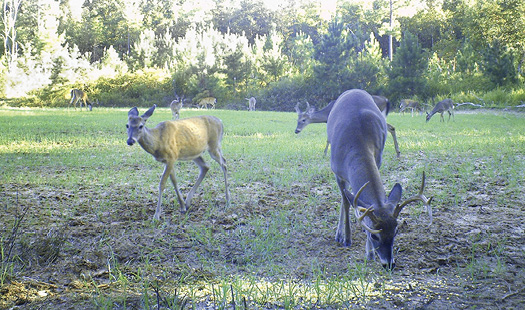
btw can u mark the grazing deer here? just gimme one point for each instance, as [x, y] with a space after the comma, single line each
[184, 139]
[208, 101]
[311, 116]
[251, 103]
[79, 96]
[446, 105]
[410, 104]
[357, 131]
[175, 107]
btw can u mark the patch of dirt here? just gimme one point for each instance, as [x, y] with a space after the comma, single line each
[77, 245]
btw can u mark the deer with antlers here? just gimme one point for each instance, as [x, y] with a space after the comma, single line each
[310, 116]
[184, 139]
[357, 131]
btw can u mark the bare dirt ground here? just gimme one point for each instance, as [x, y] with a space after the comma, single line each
[472, 256]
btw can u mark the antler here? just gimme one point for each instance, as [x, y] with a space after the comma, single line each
[297, 109]
[419, 197]
[366, 212]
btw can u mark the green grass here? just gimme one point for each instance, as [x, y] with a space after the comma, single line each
[92, 198]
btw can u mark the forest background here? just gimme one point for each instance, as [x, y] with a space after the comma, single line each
[140, 52]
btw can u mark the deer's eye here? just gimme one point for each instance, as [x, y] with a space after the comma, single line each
[141, 126]
[127, 126]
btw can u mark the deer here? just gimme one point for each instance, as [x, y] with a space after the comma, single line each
[410, 104]
[446, 105]
[310, 116]
[175, 107]
[179, 140]
[78, 95]
[207, 101]
[251, 103]
[357, 131]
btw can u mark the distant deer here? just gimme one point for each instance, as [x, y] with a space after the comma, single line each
[446, 105]
[208, 101]
[184, 139]
[410, 104]
[357, 131]
[251, 103]
[79, 96]
[175, 107]
[310, 116]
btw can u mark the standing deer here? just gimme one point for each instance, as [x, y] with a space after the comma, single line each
[410, 104]
[357, 131]
[446, 105]
[175, 107]
[251, 103]
[208, 101]
[79, 96]
[310, 116]
[184, 139]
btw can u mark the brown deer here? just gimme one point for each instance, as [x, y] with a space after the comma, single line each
[251, 103]
[208, 101]
[446, 105]
[184, 139]
[310, 116]
[78, 95]
[175, 107]
[410, 104]
[357, 132]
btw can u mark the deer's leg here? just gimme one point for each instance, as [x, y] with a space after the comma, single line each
[392, 131]
[326, 147]
[167, 171]
[203, 170]
[216, 154]
[179, 196]
[343, 233]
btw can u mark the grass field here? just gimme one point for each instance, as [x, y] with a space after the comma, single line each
[77, 205]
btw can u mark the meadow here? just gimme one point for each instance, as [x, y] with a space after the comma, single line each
[77, 205]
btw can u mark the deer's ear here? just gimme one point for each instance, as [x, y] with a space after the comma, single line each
[395, 195]
[133, 112]
[149, 112]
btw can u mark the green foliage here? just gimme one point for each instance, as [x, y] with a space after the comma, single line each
[232, 50]
[408, 66]
[498, 64]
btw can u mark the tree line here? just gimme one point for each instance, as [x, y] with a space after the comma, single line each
[135, 52]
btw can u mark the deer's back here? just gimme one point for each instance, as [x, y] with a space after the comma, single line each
[356, 130]
[188, 138]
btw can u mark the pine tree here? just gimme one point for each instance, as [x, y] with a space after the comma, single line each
[408, 67]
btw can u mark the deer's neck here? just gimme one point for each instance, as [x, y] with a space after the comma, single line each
[321, 116]
[150, 141]
[363, 170]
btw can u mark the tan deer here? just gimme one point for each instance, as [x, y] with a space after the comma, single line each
[446, 105]
[251, 103]
[184, 139]
[410, 104]
[310, 116]
[78, 95]
[357, 132]
[175, 107]
[208, 101]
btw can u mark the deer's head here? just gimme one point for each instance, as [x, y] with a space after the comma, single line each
[380, 222]
[303, 118]
[136, 124]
